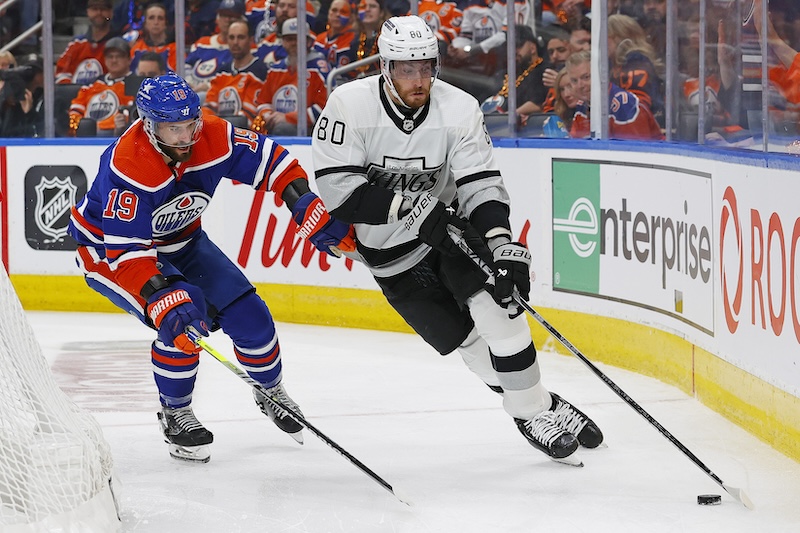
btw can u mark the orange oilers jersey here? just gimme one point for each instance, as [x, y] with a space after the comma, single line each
[628, 118]
[443, 17]
[235, 93]
[82, 61]
[280, 93]
[101, 101]
[138, 205]
[167, 50]
[335, 48]
[788, 80]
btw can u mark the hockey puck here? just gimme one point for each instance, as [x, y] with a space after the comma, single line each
[709, 499]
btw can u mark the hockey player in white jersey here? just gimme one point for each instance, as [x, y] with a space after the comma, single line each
[391, 154]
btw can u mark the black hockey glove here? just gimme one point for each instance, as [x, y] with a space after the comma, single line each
[512, 265]
[428, 220]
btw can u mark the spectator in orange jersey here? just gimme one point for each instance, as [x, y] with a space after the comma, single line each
[629, 118]
[443, 17]
[209, 53]
[270, 49]
[104, 101]
[233, 91]
[155, 37]
[82, 60]
[277, 101]
[786, 75]
[335, 42]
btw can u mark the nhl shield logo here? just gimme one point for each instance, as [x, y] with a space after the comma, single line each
[54, 198]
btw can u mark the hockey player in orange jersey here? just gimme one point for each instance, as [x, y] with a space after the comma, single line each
[141, 244]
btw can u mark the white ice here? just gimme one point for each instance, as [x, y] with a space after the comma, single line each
[421, 422]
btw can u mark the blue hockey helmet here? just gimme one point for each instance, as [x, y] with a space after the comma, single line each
[168, 98]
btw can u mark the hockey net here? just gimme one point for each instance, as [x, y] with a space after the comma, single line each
[55, 465]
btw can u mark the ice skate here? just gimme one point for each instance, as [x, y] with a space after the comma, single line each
[571, 419]
[543, 433]
[278, 415]
[187, 438]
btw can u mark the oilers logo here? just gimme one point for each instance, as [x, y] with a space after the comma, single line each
[432, 20]
[285, 99]
[179, 213]
[103, 105]
[88, 70]
[484, 28]
[205, 69]
[229, 102]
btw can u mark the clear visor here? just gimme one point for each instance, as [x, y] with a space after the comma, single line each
[179, 134]
[414, 70]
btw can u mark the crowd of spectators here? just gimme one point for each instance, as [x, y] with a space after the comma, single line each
[241, 57]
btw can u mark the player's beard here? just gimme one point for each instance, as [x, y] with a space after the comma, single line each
[414, 97]
[177, 155]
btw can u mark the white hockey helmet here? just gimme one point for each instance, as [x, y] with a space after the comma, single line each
[406, 39]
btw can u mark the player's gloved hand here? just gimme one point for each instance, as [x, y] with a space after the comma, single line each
[172, 311]
[318, 226]
[428, 219]
[512, 265]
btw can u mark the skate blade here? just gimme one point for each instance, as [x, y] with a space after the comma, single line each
[570, 460]
[192, 454]
[297, 436]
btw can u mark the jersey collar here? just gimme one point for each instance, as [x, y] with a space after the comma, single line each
[406, 123]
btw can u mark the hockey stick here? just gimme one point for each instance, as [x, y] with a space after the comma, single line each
[196, 338]
[738, 494]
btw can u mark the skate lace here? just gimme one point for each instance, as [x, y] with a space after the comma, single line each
[184, 418]
[279, 394]
[543, 427]
[568, 418]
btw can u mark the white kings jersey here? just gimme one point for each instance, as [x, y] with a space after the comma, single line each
[442, 148]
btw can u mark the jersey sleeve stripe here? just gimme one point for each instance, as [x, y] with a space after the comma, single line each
[477, 177]
[116, 240]
[348, 169]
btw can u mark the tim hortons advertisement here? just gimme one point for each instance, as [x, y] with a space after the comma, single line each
[636, 234]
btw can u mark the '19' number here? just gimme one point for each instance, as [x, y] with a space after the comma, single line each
[336, 132]
[121, 205]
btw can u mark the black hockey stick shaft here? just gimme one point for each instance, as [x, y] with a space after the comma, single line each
[738, 494]
[196, 338]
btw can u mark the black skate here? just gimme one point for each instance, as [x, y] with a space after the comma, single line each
[546, 435]
[278, 415]
[187, 438]
[571, 419]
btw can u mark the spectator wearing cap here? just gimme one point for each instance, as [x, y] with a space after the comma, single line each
[531, 92]
[277, 103]
[335, 42]
[155, 37]
[270, 49]
[208, 54]
[105, 101]
[234, 90]
[82, 60]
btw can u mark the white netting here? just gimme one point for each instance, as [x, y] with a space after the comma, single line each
[54, 460]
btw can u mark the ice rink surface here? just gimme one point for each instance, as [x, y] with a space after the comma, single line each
[422, 422]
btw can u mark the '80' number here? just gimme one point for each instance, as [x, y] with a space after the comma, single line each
[333, 133]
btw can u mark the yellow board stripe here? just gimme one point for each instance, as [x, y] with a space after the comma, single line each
[762, 409]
